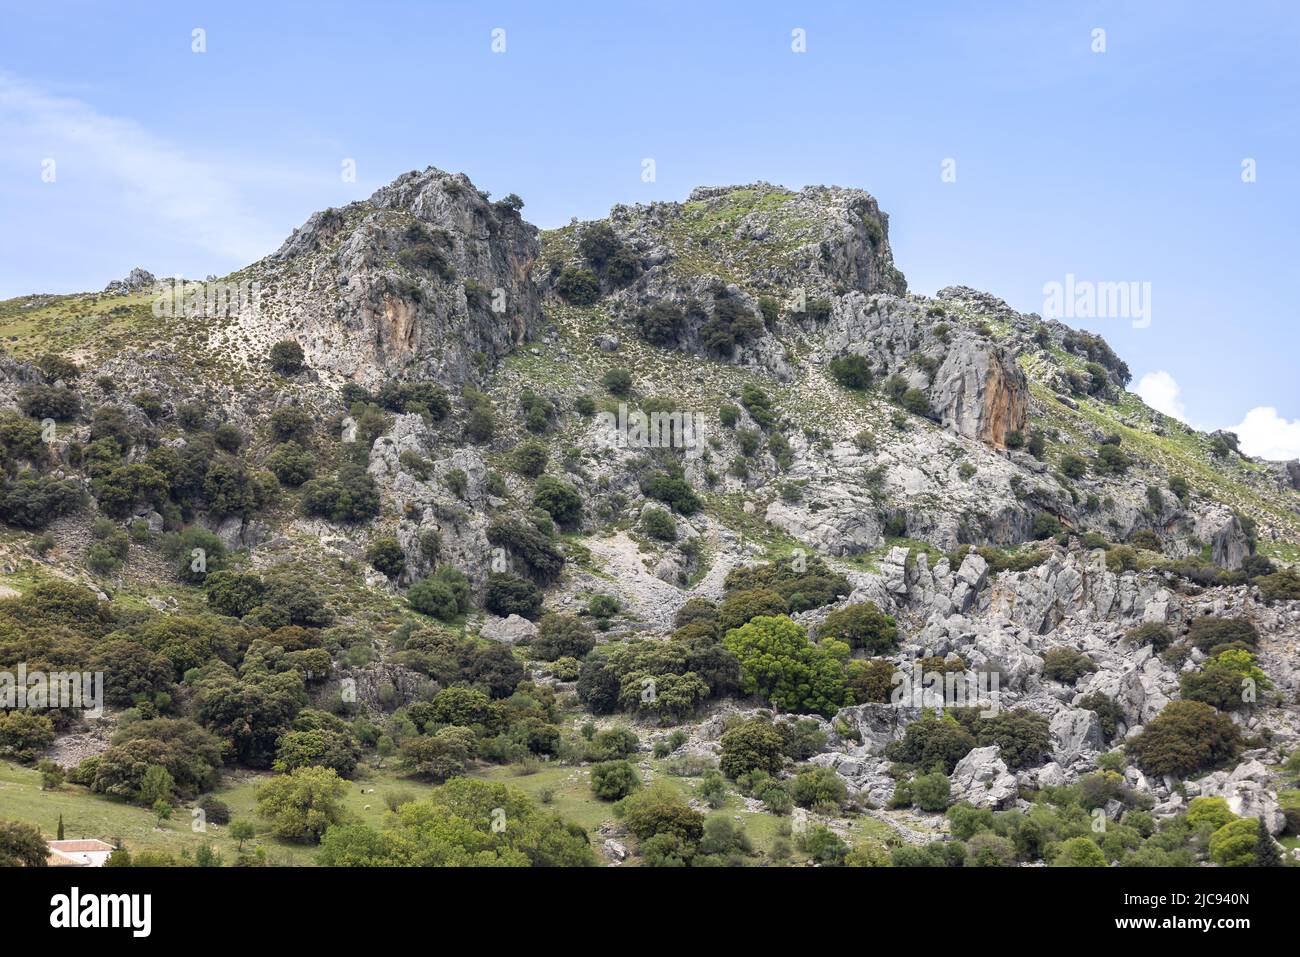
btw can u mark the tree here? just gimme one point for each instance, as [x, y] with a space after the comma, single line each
[659, 524]
[302, 805]
[777, 662]
[577, 286]
[752, 746]
[862, 625]
[852, 371]
[286, 357]
[439, 756]
[508, 594]
[242, 831]
[931, 792]
[291, 463]
[434, 598]
[614, 780]
[156, 785]
[460, 825]
[1236, 843]
[1185, 737]
[617, 381]
[1079, 852]
[659, 810]
[1266, 852]
[529, 458]
[386, 556]
[1066, 664]
[558, 499]
[739, 607]
[24, 734]
[930, 741]
[818, 787]
[21, 845]
[561, 635]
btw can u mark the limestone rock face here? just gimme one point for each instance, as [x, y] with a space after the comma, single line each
[425, 280]
[980, 392]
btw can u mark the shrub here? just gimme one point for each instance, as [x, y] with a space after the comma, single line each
[818, 787]
[1022, 737]
[932, 792]
[1209, 811]
[560, 636]
[286, 357]
[989, 850]
[671, 488]
[916, 402]
[1233, 844]
[1066, 664]
[509, 594]
[559, 500]
[618, 382]
[754, 745]
[614, 780]
[385, 555]
[1045, 525]
[852, 371]
[660, 323]
[351, 496]
[1185, 737]
[291, 463]
[529, 458]
[1282, 585]
[1207, 632]
[658, 524]
[1158, 636]
[578, 286]
[862, 625]
[740, 607]
[1079, 852]
[1073, 466]
[930, 741]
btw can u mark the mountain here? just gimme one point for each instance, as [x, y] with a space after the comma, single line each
[424, 447]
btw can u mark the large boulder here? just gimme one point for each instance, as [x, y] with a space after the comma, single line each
[982, 779]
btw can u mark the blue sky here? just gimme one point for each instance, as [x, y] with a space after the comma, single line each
[1115, 166]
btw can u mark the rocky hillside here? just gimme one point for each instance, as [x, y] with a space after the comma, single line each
[408, 446]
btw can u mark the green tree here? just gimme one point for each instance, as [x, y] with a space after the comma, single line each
[614, 780]
[777, 662]
[302, 805]
[1079, 852]
[753, 745]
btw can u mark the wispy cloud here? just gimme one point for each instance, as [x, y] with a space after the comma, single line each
[195, 201]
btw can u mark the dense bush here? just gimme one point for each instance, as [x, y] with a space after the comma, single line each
[286, 357]
[529, 546]
[558, 499]
[932, 741]
[852, 371]
[861, 625]
[351, 496]
[578, 286]
[385, 555]
[753, 745]
[560, 636]
[509, 594]
[614, 780]
[777, 662]
[1066, 664]
[1187, 736]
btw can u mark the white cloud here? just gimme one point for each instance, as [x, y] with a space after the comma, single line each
[144, 175]
[1265, 434]
[1161, 391]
